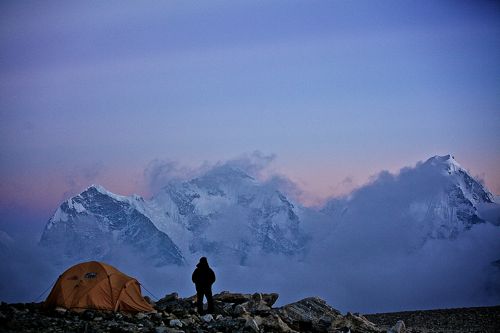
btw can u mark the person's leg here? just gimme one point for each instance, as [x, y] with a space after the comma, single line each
[199, 301]
[210, 300]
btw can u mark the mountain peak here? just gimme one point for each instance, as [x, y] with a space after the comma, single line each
[228, 171]
[95, 223]
[224, 174]
[445, 162]
[92, 189]
[98, 188]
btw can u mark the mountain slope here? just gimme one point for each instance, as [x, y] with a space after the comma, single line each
[96, 223]
[227, 212]
[437, 199]
[224, 213]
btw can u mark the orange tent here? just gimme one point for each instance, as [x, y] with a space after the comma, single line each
[95, 285]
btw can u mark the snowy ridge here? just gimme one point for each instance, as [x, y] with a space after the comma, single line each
[230, 216]
[225, 213]
[437, 199]
[94, 225]
[473, 190]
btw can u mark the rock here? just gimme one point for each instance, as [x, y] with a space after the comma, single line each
[173, 330]
[257, 297]
[252, 324]
[260, 307]
[270, 299]
[140, 315]
[207, 318]
[227, 324]
[171, 297]
[171, 317]
[227, 307]
[177, 306]
[355, 323]
[175, 323]
[308, 314]
[399, 327]
[240, 309]
[241, 313]
[88, 315]
[274, 323]
[228, 297]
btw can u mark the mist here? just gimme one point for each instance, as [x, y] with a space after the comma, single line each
[348, 275]
[373, 258]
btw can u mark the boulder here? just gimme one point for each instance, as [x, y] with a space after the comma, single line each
[171, 297]
[236, 298]
[140, 315]
[355, 323]
[207, 318]
[274, 323]
[399, 327]
[240, 309]
[270, 299]
[177, 306]
[175, 323]
[228, 297]
[252, 325]
[309, 314]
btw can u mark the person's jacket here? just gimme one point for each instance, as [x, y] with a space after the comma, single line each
[203, 276]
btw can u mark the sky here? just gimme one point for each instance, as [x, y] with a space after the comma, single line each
[335, 91]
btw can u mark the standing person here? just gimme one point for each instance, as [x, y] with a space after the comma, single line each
[203, 278]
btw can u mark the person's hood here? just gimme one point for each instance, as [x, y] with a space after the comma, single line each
[202, 265]
[203, 262]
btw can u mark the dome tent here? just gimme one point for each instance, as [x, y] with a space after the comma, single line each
[95, 285]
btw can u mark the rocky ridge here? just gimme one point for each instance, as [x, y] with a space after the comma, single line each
[233, 313]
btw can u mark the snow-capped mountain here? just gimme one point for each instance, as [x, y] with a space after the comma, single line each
[427, 226]
[96, 224]
[227, 211]
[228, 215]
[224, 213]
[437, 199]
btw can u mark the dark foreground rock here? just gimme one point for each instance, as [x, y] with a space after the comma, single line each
[479, 319]
[233, 313]
[252, 313]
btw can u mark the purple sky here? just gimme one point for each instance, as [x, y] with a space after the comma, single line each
[92, 92]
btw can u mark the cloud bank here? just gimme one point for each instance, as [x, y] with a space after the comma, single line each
[371, 260]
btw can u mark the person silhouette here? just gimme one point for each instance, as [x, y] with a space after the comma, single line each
[203, 278]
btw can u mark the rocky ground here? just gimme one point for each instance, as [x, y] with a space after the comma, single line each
[480, 319]
[233, 313]
[239, 313]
